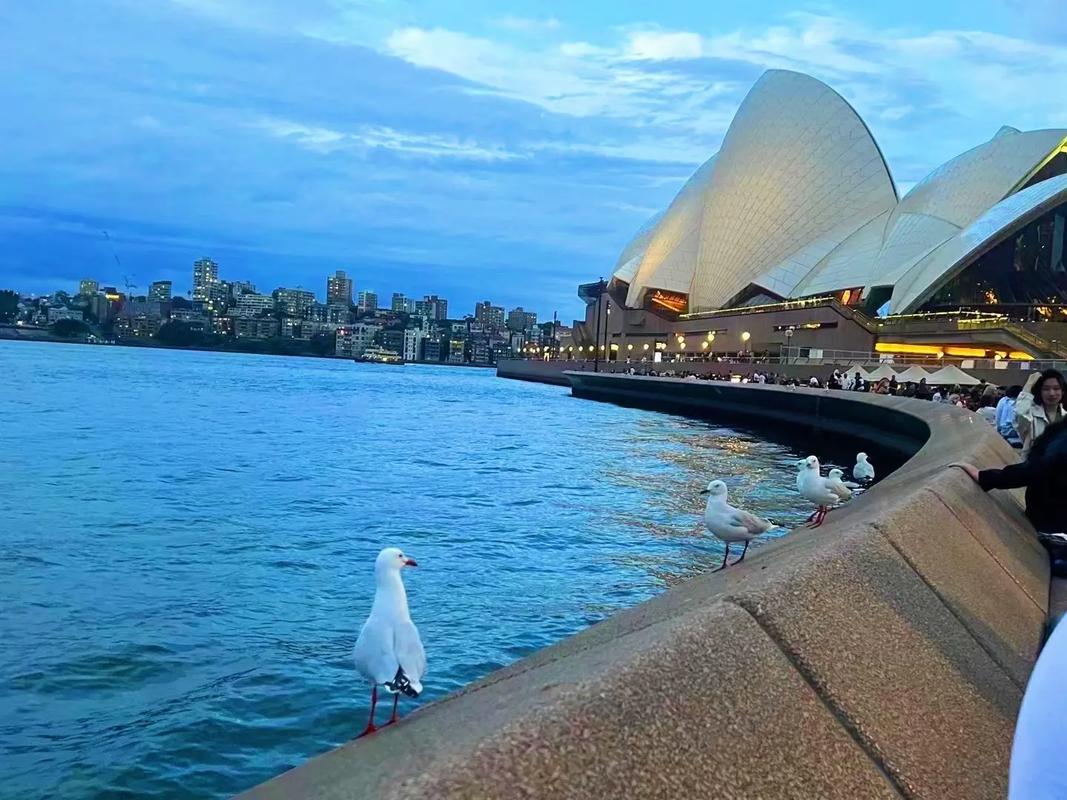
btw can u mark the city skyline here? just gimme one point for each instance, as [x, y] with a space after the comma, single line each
[208, 271]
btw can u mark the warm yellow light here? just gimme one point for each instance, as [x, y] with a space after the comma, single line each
[602, 348]
[646, 346]
[630, 347]
[900, 347]
[681, 343]
[570, 349]
[1018, 355]
[704, 345]
[965, 352]
[614, 346]
[711, 336]
[999, 355]
[745, 336]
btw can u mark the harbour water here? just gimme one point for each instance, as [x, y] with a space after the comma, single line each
[188, 540]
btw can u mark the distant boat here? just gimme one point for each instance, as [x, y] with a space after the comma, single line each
[380, 355]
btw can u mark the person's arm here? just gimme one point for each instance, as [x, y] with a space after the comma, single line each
[1024, 404]
[1013, 476]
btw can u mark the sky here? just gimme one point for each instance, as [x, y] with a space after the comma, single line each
[475, 150]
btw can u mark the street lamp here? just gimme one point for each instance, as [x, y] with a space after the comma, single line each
[788, 350]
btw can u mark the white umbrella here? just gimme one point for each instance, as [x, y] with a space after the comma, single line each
[857, 368]
[883, 371]
[913, 374]
[952, 375]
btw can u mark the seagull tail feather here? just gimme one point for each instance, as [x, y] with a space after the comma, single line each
[401, 684]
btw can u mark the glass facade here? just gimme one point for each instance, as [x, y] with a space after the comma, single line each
[1025, 270]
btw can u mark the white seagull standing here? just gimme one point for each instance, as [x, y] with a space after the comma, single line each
[730, 524]
[864, 470]
[812, 486]
[388, 651]
[839, 486]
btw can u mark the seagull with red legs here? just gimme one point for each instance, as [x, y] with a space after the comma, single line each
[388, 652]
[730, 524]
[816, 489]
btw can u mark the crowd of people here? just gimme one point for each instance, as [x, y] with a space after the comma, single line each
[1019, 413]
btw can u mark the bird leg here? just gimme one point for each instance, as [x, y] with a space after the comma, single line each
[821, 518]
[392, 719]
[373, 704]
[812, 517]
[725, 556]
[745, 550]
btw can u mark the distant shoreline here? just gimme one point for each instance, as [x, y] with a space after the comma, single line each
[50, 338]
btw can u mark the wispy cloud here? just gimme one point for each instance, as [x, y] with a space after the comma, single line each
[367, 137]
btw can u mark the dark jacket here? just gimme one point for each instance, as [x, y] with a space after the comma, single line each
[1044, 474]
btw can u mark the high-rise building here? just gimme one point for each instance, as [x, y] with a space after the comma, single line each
[433, 348]
[339, 289]
[250, 306]
[159, 291]
[205, 277]
[433, 307]
[353, 340]
[400, 302]
[413, 338]
[88, 287]
[520, 321]
[368, 302]
[480, 352]
[238, 288]
[490, 317]
[294, 303]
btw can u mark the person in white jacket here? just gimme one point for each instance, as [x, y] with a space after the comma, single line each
[1038, 405]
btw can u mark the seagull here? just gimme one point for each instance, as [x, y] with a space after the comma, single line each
[388, 651]
[843, 489]
[812, 486]
[864, 470]
[730, 524]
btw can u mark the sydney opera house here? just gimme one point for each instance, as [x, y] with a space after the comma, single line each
[793, 235]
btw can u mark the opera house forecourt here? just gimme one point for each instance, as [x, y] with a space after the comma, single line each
[793, 238]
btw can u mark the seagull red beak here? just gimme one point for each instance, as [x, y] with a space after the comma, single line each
[410, 562]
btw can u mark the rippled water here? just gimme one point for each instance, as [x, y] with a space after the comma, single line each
[188, 538]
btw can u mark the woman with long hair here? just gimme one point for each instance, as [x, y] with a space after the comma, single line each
[1039, 405]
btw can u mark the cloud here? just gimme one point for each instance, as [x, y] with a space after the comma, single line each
[657, 46]
[366, 137]
[686, 84]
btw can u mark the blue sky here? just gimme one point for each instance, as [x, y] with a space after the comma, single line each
[475, 150]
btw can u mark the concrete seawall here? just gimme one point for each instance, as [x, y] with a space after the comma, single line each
[882, 655]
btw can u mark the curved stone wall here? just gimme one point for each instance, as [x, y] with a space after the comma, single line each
[882, 655]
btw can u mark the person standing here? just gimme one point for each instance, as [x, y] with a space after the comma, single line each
[1038, 406]
[1005, 415]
